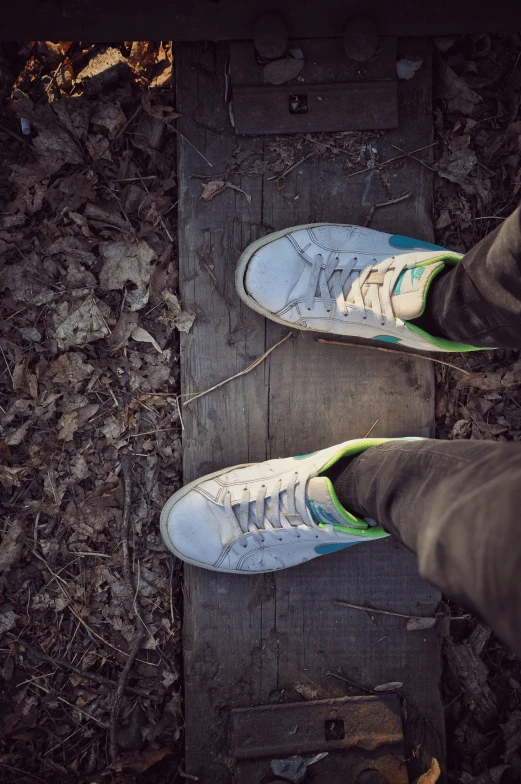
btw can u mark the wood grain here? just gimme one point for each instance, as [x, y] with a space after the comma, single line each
[250, 639]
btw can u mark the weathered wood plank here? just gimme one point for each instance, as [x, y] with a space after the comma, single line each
[250, 640]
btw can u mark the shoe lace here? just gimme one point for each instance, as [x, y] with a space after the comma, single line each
[270, 514]
[379, 280]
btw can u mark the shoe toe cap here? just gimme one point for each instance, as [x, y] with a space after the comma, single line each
[194, 529]
[272, 273]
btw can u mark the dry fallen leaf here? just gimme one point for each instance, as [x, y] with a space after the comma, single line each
[416, 624]
[84, 325]
[124, 262]
[11, 545]
[140, 761]
[215, 187]
[67, 426]
[392, 686]
[143, 336]
[432, 775]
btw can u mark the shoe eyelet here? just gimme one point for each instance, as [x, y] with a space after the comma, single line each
[279, 538]
[309, 308]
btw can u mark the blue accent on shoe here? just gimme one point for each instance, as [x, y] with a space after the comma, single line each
[408, 243]
[321, 515]
[387, 338]
[301, 457]
[325, 549]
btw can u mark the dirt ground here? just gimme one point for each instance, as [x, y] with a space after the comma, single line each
[90, 601]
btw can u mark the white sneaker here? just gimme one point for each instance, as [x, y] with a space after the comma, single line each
[266, 516]
[346, 280]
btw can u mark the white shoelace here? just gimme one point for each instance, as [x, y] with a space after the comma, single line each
[380, 281]
[267, 515]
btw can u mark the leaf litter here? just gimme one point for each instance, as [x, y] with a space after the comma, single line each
[90, 350]
[89, 359]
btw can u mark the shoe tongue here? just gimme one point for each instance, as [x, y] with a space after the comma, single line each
[410, 290]
[320, 500]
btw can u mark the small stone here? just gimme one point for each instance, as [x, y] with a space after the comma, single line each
[361, 38]
[407, 67]
[270, 36]
[282, 71]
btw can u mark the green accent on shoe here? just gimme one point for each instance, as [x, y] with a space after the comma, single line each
[301, 457]
[370, 532]
[442, 343]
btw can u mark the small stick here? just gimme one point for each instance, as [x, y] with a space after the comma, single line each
[99, 679]
[188, 142]
[351, 683]
[371, 428]
[124, 127]
[374, 207]
[106, 642]
[125, 523]
[242, 373]
[371, 609]
[393, 351]
[410, 155]
[391, 160]
[7, 366]
[118, 697]
[187, 775]
[290, 168]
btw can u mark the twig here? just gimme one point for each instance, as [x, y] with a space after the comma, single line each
[24, 772]
[124, 127]
[351, 683]
[118, 697]
[65, 665]
[410, 155]
[242, 373]
[13, 134]
[391, 160]
[393, 351]
[290, 168]
[187, 775]
[371, 428]
[7, 366]
[374, 207]
[125, 523]
[371, 609]
[188, 142]
[106, 642]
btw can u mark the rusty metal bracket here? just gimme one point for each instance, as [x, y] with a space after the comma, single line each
[333, 92]
[322, 725]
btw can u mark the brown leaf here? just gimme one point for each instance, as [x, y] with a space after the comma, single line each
[392, 686]
[472, 673]
[215, 187]
[67, 426]
[432, 775]
[126, 261]
[456, 92]
[82, 326]
[11, 545]
[109, 116]
[416, 624]
[490, 776]
[140, 761]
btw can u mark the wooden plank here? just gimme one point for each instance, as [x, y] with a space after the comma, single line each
[198, 20]
[249, 640]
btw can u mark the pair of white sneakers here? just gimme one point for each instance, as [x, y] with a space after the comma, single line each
[344, 280]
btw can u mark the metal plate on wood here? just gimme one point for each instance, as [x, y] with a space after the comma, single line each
[321, 725]
[333, 92]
